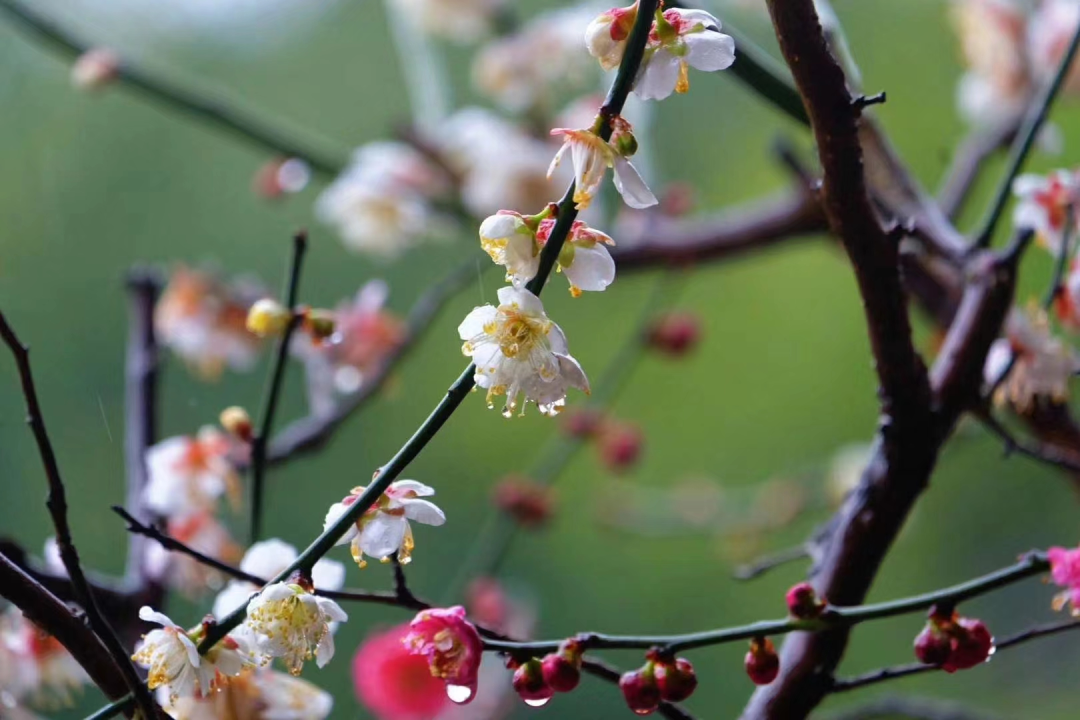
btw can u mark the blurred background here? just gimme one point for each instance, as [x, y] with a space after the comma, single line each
[91, 184]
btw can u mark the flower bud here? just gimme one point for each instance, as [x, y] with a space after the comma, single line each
[676, 680]
[762, 663]
[95, 69]
[932, 647]
[640, 690]
[803, 602]
[561, 674]
[583, 423]
[606, 35]
[620, 446]
[527, 502]
[529, 683]
[267, 317]
[972, 644]
[674, 334]
[236, 422]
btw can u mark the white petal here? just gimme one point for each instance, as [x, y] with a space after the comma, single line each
[328, 574]
[324, 652]
[1028, 184]
[148, 614]
[190, 648]
[633, 189]
[332, 516]
[657, 78]
[572, 374]
[706, 19]
[474, 322]
[272, 593]
[331, 609]
[413, 486]
[235, 595]
[557, 340]
[709, 51]
[593, 268]
[423, 511]
[500, 226]
[382, 535]
[526, 301]
[267, 558]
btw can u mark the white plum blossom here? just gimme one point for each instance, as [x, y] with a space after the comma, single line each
[997, 82]
[510, 242]
[256, 694]
[34, 666]
[1043, 205]
[384, 528]
[1049, 33]
[202, 532]
[171, 655]
[518, 351]
[507, 70]
[463, 21]
[679, 40]
[202, 318]
[187, 475]
[1039, 366]
[605, 36]
[293, 624]
[584, 257]
[500, 165]
[381, 202]
[591, 156]
[268, 559]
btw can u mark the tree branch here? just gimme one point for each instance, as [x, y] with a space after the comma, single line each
[889, 708]
[273, 384]
[228, 117]
[56, 502]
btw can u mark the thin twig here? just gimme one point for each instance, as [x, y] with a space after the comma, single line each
[889, 708]
[567, 214]
[56, 501]
[899, 671]
[227, 116]
[1042, 452]
[113, 709]
[273, 384]
[833, 617]
[969, 160]
[765, 563]
[1025, 140]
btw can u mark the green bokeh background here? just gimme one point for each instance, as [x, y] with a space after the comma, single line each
[91, 184]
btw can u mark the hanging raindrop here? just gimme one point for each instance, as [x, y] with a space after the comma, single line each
[459, 694]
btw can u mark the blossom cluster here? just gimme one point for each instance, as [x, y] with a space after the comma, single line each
[35, 669]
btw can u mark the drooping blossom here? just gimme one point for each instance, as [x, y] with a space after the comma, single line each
[256, 694]
[384, 528]
[452, 646]
[606, 35]
[202, 319]
[364, 336]
[172, 659]
[997, 82]
[267, 559]
[34, 666]
[498, 164]
[293, 624]
[591, 157]
[381, 203]
[1044, 205]
[392, 682]
[518, 351]
[1065, 571]
[463, 21]
[681, 39]
[1038, 365]
[510, 241]
[187, 475]
[584, 257]
[506, 69]
[201, 532]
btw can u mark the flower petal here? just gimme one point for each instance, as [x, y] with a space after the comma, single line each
[382, 535]
[658, 75]
[709, 51]
[332, 516]
[633, 189]
[423, 511]
[593, 269]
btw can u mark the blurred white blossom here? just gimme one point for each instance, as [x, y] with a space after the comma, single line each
[1041, 365]
[267, 559]
[463, 21]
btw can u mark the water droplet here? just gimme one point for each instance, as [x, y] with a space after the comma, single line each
[539, 702]
[643, 712]
[459, 694]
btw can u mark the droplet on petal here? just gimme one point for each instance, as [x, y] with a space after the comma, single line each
[459, 694]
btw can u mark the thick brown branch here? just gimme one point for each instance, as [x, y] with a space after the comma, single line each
[51, 614]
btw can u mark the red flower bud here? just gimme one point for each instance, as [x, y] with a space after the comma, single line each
[487, 601]
[676, 680]
[640, 690]
[972, 644]
[674, 333]
[560, 673]
[803, 602]
[583, 423]
[620, 446]
[932, 646]
[529, 683]
[762, 662]
[529, 503]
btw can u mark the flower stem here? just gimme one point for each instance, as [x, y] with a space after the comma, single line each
[1029, 565]
[273, 387]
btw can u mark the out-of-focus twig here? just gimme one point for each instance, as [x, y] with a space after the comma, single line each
[765, 563]
[968, 161]
[892, 708]
[224, 115]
